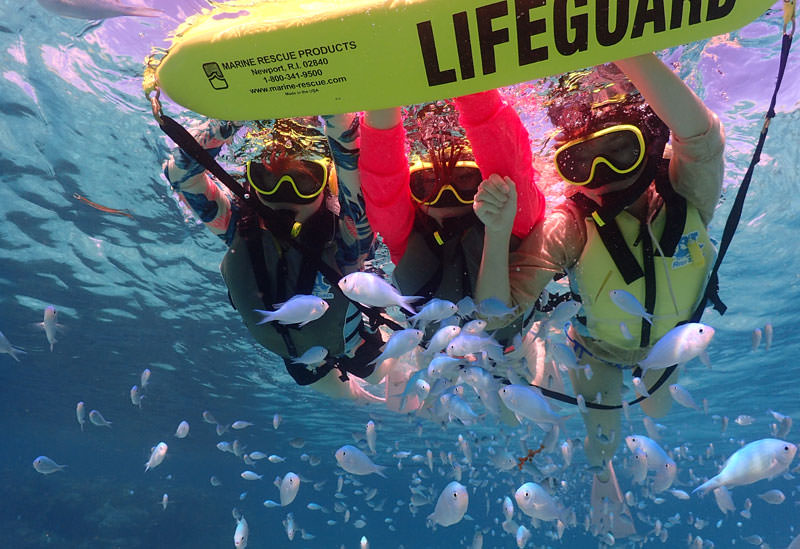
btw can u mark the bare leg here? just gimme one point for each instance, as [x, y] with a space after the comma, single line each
[603, 427]
[659, 403]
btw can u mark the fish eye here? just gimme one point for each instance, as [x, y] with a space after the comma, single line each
[786, 448]
[701, 330]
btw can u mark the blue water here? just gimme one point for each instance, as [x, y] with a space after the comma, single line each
[145, 292]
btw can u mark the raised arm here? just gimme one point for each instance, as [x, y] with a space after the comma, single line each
[355, 234]
[384, 179]
[671, 99]
[698, 142]
[501, 146]
[204, 196]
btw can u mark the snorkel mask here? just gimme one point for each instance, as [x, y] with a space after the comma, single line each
[601, 157]
[454, 185]
[301, 182]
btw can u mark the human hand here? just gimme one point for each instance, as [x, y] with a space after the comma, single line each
[496, 204]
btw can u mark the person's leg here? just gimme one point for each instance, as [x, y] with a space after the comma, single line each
[660, 402]
[603, 427]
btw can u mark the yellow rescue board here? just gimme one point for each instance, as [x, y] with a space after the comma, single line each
[244, 61]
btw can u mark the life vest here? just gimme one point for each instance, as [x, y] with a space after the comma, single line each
[619, 255]
[444, 261]
[284, 271]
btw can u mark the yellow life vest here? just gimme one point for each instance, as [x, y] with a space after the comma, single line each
[683, 275]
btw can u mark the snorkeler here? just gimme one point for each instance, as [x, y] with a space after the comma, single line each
[305, 228]
[423, 209]
[635, 222]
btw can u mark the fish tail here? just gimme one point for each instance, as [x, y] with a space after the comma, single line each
[13, 352]
[267, 316]
[379, 470]
[143, 12]
[707, 486]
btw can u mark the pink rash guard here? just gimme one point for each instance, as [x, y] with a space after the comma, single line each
[499, 142]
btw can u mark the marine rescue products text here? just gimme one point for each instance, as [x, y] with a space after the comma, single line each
[569, 22]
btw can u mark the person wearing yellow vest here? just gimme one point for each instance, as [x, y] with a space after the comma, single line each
[633, 224]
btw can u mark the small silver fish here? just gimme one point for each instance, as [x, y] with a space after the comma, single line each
[299, 309]
[97, 419]
[7, 347]
[46, 466]
[628, 303]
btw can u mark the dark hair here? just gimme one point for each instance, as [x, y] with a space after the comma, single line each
[587, 101]
[435, 135]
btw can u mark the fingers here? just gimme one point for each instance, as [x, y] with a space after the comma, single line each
[496, 190]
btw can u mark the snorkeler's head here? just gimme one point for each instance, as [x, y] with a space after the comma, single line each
[293, 166]
[443, 172]
[605, 142]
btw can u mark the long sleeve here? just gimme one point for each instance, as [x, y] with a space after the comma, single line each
[501, 145]
[355, 236]
[384, 182]
[202, 193]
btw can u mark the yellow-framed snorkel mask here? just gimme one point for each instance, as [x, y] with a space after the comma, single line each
[295, 186]
[428, 190]
[621, 148]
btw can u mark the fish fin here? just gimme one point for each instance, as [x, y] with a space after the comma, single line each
[649, 318]
[266, 316]
[704, 358]
[379, 470]
[707, 486]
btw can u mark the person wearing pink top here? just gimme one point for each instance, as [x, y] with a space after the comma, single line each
[422, 207]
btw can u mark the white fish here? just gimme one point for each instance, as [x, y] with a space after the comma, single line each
[276, 459]
[563, 355]
[80, 413]
[628, 303]
[466, 307]
[466, 344]
[240, 424]
[354, 461]
[639, 465]
[371, 436]
[251, 475]
[164, 501]
[767, 336]
[49, 325]
[96, 9]
[371, 290]
[457, 407]
[486, 386]
[773, 497]
[765, 458]
[443, 367]
[299, 309]
[679, 345]
[46, 466]
[145, 377]
[7, 347]
[522, 536]
[528, 403]
[665, 476]
[626, 333]
[268, 503]
[679, 494]
[241, 533]
[400, 343]
[157, 455]
[657, 458]
[276, 421]
[290, 485]
[563, 312]
[744, 420]
[209, 418]
[508, 508]
[639, 387]
[433, 311]
[97, 419]
[755, 339]
[290, 526]
[534, 501]
[493, 308]
[682, 396]
[183, 429]
[441, 339]
[214, 481]
[313, 356]
[567, 452]
[451, 505]
[724, 500]
[136, 396]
